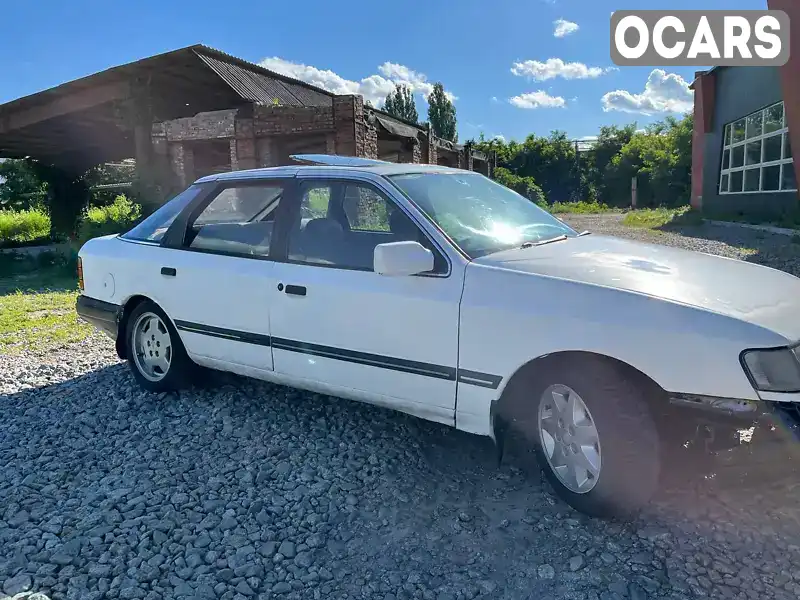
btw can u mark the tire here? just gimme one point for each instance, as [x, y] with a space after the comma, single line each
[627, 453]
[175, 368]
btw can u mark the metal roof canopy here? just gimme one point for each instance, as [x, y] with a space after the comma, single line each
[90, 120]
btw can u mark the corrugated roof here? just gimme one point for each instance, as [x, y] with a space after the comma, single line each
[256, 84]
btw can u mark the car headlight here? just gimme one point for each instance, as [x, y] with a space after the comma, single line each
[773, 370]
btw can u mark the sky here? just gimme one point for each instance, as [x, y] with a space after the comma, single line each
[512, 67]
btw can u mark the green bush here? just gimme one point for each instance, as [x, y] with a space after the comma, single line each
[23, 228]
[105, 220]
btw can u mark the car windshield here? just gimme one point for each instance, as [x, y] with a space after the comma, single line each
[477, 214]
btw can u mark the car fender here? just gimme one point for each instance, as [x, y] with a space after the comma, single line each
[510, 318]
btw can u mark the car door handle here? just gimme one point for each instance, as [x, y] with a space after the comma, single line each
[169, 271]
[296, 290]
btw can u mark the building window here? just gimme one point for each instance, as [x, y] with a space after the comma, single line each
[757, 155]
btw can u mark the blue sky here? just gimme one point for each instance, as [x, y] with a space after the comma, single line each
[509, 72]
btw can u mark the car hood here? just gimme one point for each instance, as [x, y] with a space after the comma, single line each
[759, 295]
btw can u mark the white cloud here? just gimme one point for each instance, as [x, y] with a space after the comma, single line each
[663, 93]
[499, 137]
[563, 28]
[538, 99]
[494, 99]
[374, 87]
[555, 67]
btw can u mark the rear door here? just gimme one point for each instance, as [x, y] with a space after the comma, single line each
[219, 280]
[392, 340]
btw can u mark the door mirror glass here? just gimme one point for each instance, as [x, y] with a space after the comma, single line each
[402, 258]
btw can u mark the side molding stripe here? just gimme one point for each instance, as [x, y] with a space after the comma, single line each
[480, 379]
[228, 334]
[362, 358]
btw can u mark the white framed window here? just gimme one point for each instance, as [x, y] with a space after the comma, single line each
[757, 155]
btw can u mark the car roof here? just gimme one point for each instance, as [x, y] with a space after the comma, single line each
[377, 169]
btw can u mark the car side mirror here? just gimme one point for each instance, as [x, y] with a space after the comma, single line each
[402, 258]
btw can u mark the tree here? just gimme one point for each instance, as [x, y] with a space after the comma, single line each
[661, 160]
[442, 114]
[400, 103]
[109, 173]
[20, 186]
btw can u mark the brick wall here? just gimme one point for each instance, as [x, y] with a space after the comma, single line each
[287, 120]
[416, 153]
[243, 146]
[203, 126]
[344, 108]
[367, 140]
[465, 159]
[182, 161]
[266, 152]
[429, 152]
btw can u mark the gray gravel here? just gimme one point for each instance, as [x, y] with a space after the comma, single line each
[243, 489]
[774, 250]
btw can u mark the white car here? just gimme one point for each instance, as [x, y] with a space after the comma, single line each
[439, 293]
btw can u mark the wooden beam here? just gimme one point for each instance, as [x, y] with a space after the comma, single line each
[62, 105]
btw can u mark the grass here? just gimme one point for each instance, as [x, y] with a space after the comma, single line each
[37, 304]
[579, 208]
[655, 218]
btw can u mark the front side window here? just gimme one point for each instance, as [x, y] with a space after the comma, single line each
[756, 154]
[477, 214]
[342, 222]
[153, 228]
[239, 220]
[366, 209]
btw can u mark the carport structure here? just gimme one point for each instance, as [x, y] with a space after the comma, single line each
[197, 110]
[109, 116]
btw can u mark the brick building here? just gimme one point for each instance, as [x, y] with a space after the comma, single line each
[196, 111]
[266, 135]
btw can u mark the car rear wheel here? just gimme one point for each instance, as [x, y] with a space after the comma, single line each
[593, 436]
[156, 355]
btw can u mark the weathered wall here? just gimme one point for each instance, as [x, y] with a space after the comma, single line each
[290, 120]
[266, 135]
[203, 126]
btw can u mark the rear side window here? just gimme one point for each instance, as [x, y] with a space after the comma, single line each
[153, 228]
[238, 221]
[240, 204]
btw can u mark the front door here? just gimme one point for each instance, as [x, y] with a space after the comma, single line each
[394, 340]
[218, 285]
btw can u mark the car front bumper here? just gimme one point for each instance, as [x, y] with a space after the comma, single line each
[103, 315]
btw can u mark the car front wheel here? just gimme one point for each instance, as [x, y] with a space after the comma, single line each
[156, 355]
[594, 437]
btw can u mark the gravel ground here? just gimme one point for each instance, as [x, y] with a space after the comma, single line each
[243, 489]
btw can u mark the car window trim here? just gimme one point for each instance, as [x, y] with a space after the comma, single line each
[194, 209]
[344, 179]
